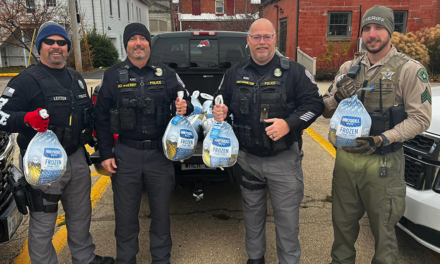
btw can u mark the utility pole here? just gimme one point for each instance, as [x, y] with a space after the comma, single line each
[75, 38]
[172, 15]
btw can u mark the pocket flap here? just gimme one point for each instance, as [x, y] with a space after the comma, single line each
[396, 190]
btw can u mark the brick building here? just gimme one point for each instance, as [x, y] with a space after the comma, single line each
[323, 21]
[231, 15]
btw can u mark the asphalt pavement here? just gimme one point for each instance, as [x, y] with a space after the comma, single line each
[212, 231]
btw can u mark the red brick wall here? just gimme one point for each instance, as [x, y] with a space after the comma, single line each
[208, 6]
[314, 16]
[437, 15]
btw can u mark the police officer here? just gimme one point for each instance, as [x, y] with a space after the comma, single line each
[134, 102]
[63, 93]
[396, 93]
[272, 99]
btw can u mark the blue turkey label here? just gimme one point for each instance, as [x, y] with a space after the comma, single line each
[349, 127]
[52, 159]
[220, 151]
[215, 131]
[197, 110]
[176, 119]
[186, 139]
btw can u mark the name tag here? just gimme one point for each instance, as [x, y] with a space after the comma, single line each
[127, 85]
[59, 98]
[272, 83]
[245, 82]
[82, 96]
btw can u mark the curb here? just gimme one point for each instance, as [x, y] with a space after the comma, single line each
[8, 74]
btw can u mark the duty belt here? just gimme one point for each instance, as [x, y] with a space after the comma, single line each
[140, 145]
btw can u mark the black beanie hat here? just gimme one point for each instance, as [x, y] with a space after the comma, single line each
[135, 29]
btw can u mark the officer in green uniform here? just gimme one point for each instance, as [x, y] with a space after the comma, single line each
[370, 178]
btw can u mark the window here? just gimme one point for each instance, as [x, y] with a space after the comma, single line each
[173, 52]
[339, 26]
[219, 6]
[230, 10]
[137, 14]
[119, 10]
[400, 18]
[132, 12]
[283, 36]
[30, 6]
[256, 2]
[51, 3]
[111, 10]
[128, 12]
[158, 25]
[196, 9]
[232, 51]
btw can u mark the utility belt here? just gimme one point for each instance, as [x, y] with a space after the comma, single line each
[124, 118]
[263, 146]
[381, 122]
[27, 197]
[140, 145]
[65, 135]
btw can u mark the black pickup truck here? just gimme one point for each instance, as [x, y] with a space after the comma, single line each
[200, 58]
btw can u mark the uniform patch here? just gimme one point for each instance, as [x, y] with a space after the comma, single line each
[132, 79]
[277, 72]
[246, 78]
[220, 86]
[4, 118]
[3, 101]
[388, 74]
[58, 98]
[310, 76]
[8, 92]
[426, 96]
[81, 84]
[155, 82]
[272, 83]
[82, 96]
[159, 72]
[423, 75]
[125, 85]
[180, 80]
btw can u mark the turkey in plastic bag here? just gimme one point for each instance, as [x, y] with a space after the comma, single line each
[196, 103]
[220, 146]
[209, 121]
[180, 139]
[45, 159]
[350, 121]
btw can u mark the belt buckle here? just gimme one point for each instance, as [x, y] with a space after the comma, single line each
[146, 144]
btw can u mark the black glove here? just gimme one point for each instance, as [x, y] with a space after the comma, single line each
[344, 88]
[367, 145]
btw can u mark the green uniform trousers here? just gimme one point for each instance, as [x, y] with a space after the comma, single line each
[356, 189]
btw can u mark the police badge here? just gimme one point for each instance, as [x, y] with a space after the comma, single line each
[159, 72]
[277, 72]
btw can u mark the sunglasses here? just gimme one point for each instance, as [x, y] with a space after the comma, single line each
[50, 42]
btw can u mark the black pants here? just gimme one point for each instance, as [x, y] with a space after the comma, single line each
[135, 168]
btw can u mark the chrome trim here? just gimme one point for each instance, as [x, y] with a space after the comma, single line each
[430, 135]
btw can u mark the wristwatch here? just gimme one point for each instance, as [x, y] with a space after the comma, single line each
[385, 141]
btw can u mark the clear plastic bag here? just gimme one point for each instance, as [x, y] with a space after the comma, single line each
[220, 146]
[196, 103]
[180, 139]
[45, 159]
[350, 121]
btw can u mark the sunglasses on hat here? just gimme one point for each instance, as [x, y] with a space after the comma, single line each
[50, 42]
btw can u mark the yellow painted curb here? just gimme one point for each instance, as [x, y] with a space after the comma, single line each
[321, 141]
[8, 74]
[60, 239]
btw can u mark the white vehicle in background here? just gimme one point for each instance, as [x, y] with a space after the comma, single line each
[422, 163]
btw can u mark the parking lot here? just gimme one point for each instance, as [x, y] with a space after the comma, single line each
[212, 231]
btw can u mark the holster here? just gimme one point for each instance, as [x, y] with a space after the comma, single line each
[19, 192]
[115, 125]
[127, 117]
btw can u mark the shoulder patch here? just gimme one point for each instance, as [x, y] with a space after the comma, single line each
[220, 86]
[180, 81]
[426, 96]
[423, 75]
[310, 76]
[8, 92]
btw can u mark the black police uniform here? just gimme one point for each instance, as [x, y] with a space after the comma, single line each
[280, 89]
[64, 94]
[137, 104]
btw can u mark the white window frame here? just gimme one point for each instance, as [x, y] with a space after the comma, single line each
[339, 37]
[219, 4]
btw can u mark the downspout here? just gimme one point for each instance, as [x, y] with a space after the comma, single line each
[296, 33]
[24, 50]
[93, 14]
[102, 17]
[277, 7]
